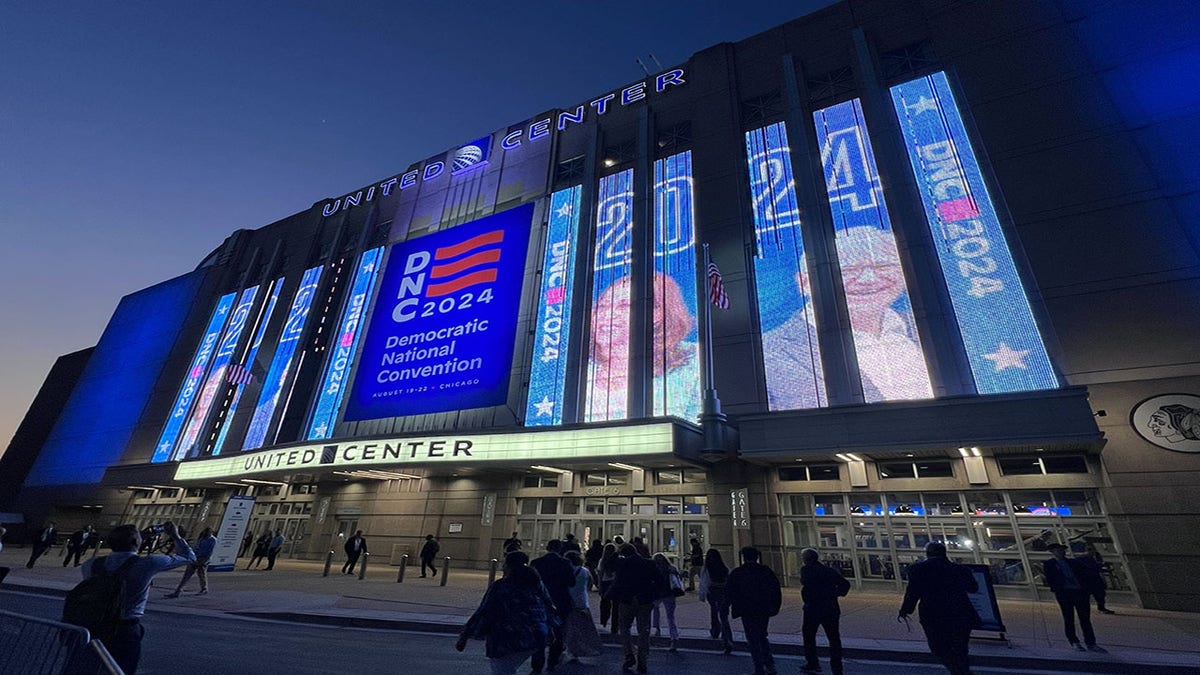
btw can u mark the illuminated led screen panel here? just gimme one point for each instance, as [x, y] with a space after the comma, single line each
[676, 360]
[264, 318]
[791, 354]
[341, 354]
[191, 382]
[442, 333]
[998, 330]
[607, 393]
[215, 381]
[281, 363]
[890, 359]
[548, 367]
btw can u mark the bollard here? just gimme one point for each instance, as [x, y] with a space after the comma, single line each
[362, 570]
[492, 572]
[328, 563]
[403, 564]
[445, 569]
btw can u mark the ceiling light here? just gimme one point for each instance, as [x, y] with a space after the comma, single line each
[262, 482]
[551, 469]
[618, 465]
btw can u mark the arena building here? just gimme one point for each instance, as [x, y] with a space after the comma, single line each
[953, 296]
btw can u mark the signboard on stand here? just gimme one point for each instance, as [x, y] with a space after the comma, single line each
[984, 601]
[229, 536]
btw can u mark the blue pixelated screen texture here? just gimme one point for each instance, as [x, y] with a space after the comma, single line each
[675, 377]
[341, 353]
[192, 378]
[1001, 337]
[264, 318]
[552, 333]
[444, 327]
[791, 352]
[891, 361]
[99, 417]
[214, 382]
[281, 363]
[607, 389]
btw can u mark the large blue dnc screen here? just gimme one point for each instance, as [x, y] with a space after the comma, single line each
[442, 333]
[998, 329]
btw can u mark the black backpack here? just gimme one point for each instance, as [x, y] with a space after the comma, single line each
[95, 603]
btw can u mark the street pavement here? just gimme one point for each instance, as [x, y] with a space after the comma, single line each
[1138, 640]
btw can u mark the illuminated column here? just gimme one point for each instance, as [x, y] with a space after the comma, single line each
[842, 381]
[949, 371]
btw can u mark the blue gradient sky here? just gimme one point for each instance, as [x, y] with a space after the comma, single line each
[136, 136]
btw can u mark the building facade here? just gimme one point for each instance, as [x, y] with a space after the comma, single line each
[958, 247]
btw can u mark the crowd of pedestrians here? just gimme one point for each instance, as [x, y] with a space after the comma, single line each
[541, 609]
[636, 590]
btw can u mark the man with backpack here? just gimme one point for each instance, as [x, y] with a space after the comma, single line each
[111, 599]
[821, 588]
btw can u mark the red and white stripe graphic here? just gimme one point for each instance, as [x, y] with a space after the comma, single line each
[238, 374]
[716, 287]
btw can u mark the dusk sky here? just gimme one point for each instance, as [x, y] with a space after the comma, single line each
[136, 136]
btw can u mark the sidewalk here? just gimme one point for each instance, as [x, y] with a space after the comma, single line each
[1137, 639]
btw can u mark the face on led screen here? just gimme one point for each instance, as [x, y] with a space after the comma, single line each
[191, 383]
[548, 367]
[264, 318]
[890, 360]
[676, 365]
[998, 330]
[608, 352]
[281, 364]
[791, 355]
[341, 353]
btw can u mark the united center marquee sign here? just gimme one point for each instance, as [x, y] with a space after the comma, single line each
[523, 447]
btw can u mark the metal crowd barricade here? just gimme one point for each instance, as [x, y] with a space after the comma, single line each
[34, 646]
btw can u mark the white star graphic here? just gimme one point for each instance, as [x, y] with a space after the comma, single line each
[545, 407]
[564, 210]
[320, 431]
[1007, 357]
[369, 267]
[923, 104]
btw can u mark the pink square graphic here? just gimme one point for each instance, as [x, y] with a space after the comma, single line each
[957, 209]
[555, 295]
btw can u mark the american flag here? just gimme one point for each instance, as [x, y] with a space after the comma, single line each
[238, 374]
[716, 288]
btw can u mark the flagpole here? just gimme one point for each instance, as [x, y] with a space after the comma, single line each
[712, 420]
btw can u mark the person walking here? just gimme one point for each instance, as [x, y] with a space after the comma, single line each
[591, 559]
[754, 596]
[206, 543]
[273, 549]
[125, 645]
[246, 542]
[1070, 580]
[1094, 563]
[261, 545]
[713, 577]
[78, 543]
[428, 552]
[355, 546]
[511, 544]
[821, 587]
[558, 577]
[672, 587]
[45, 539]
[515, 617]
[696, 563]
[941, 587]
[634, 590]
[579, 631]
[570, 544]
[606, 572]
